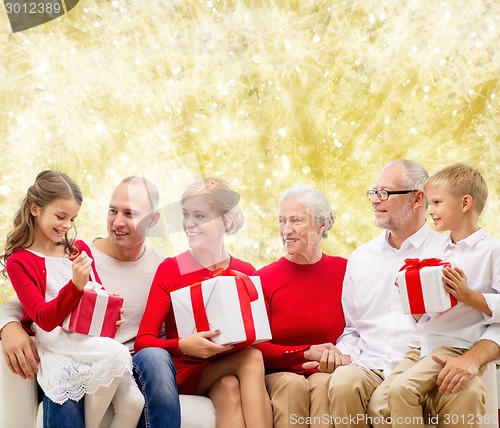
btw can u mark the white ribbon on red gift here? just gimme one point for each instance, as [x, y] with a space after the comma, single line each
[96, 313]
[99, 313]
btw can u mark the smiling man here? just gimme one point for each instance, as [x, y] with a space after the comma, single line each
[377, 332]
[126, 265]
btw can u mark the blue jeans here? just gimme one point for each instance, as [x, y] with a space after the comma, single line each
[154, 373]
[70, 414]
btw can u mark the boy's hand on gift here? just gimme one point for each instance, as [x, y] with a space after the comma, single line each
[81, 267]
[199, 345]
[456, 284]
[456, 372]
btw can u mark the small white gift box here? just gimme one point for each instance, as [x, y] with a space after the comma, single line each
[234, 305]
[421, 287]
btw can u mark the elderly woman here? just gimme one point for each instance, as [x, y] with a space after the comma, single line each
[303, 297]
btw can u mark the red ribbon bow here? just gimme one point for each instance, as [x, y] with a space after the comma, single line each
[413, 284]
[246, 293]
[418, 264]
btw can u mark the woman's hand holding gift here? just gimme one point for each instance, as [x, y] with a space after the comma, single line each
[199, 345]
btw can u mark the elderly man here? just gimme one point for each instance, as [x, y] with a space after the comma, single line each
[377, 332]
[126, 266]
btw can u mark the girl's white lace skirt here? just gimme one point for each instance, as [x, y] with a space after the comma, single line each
[72, 364]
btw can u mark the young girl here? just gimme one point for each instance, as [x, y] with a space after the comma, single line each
[235, 381]
[48, 271]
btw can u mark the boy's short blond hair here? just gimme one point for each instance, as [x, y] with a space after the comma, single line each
[461, 180]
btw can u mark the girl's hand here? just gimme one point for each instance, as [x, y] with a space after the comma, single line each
[456, 284]
[199, 345]
[81, 267]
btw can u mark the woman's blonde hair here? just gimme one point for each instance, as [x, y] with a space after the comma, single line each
[222, 200]
[48, 187]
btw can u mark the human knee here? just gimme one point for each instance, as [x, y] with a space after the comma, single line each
[153, 363]
[226, 390]
[347, 382]
[131, 406]
[470, 399]
[135, 402]
[296, 385]
[401, 390]
[377, 406]
[318, 381]
[341, 383]
[252, 361]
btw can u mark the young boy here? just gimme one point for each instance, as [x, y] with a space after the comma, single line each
[456, 197]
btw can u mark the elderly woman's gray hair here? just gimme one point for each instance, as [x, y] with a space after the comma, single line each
[314, 200]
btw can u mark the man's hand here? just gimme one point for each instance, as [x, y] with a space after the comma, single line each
[456, 372]
[330, 360]
[121, 321]
[19, 351]
[315, 352]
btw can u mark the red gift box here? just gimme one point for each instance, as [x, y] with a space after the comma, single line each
[230, 302]
[96, 313]
[421, 287]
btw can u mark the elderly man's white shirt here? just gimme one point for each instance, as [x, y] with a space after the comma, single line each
[478, 256]
[377, 332]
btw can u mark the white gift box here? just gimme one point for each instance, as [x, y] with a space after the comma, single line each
[234, 305]
[422, 289]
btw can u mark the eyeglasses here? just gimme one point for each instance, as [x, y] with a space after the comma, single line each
[383, 195]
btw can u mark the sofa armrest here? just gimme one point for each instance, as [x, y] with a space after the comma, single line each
[490, 384]
[18, 398]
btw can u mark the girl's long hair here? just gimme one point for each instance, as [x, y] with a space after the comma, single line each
[48, 186]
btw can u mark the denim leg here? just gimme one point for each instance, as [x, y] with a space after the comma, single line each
[70, 414]
[154, 372]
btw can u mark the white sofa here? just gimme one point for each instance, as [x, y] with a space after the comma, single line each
[19, 403]
[19, 406]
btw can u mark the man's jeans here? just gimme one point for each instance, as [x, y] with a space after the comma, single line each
[154, 373]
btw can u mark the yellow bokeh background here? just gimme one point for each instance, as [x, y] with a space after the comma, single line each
[266, 94]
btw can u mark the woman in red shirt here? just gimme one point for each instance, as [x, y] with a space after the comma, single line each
[234, 381]
[303, 297]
